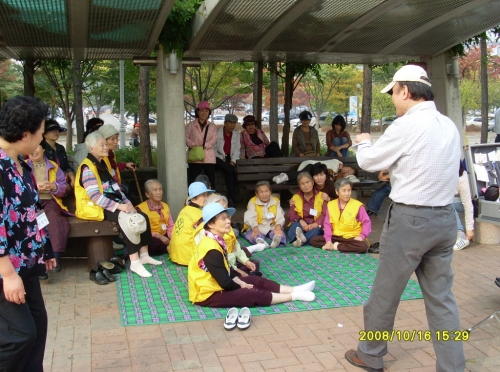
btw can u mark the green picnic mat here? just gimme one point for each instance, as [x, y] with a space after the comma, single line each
[341, 280]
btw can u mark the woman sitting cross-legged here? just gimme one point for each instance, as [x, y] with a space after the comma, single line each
[211, 281]
[347, 225]
[306, 213]
[98, 197]
[159, 217]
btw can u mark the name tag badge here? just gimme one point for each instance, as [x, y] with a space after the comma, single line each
[116, 187]
[113, 172]
[313, 212]
[41, 219]
[163, 227]
[269, 215]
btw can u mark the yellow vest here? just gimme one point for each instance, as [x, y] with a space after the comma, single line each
[86, 209]
[112, 170]
[259, 209]
[318, 205]
[345, 224]
[182, 240]
[52, 179]
[154, 217]
[230, 239]
[201, 283]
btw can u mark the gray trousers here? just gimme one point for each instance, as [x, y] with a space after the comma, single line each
[420, 240]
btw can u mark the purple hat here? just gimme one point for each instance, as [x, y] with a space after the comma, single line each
[203, 105]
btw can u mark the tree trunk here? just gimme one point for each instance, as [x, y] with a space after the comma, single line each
[29, 77]
[255, 88]
[366, 109]
[69, 132]
[78, 105]
[484, 90]
[273, 110]
[145, 143]
[285, 141]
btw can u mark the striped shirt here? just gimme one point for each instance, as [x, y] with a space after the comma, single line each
[89, 182]
[421, 149]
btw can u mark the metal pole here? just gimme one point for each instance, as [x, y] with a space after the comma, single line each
[122, 105]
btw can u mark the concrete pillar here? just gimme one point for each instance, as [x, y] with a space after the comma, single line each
[446, 90]
[172, 165]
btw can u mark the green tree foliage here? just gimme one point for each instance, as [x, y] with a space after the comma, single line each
[11, 80]
[218, 83]
[177, 30]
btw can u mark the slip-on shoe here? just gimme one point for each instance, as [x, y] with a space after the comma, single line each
[231, 319]
[117, 261]
[98, 277]
[244, 318]
[111, 267]
[57, 268]
[352, 357]
[108, 275]
[497, 281]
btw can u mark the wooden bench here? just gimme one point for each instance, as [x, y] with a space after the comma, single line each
[98, 236]
[251, 171]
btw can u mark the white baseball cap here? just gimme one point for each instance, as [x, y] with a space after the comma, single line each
[408, 73]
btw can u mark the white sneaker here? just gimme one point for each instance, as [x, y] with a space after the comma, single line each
[276, 241]
[297, 243]
[460, 244]
[280, 178]
[261, 241]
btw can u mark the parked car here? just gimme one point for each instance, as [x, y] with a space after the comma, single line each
[281, 118]
[477, 120]
[294, 123]
[218, 119]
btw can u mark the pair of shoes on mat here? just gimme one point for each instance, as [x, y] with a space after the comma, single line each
[460, 244]
[301, 239]
[352, 357]
[101, 276]
[234, 319]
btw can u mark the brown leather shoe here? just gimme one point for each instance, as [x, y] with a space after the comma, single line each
[352, 357]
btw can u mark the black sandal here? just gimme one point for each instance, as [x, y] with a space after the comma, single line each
[111, 267]
[98, 277]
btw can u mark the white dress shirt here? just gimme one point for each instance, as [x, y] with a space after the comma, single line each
[421, 149]
[235, 145]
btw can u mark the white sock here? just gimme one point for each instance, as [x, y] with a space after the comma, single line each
[262, 241]
[256, 248]
[308, 287]
[137, 267]
[303, 296]
[300, 235]
[147, 259]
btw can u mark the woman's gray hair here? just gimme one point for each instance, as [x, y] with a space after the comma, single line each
[302, 175]
[263, 183]
[148, 184]
[216, 198]
[92, 139]
[341, 183]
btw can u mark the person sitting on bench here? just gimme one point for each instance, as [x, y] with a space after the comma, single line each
[98, 197]
[213, 283]
[347, 224]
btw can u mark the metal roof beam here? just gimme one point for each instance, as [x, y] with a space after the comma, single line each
[78, 17]
[158, 26]
[429, 25]
[360, 23]
[206, 14]
[298, 9]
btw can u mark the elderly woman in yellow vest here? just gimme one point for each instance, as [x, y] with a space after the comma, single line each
[110, 133]
[51, 184]
[213, 283]
[182, 243]
[264, 217]
[98, 197]
[307, 212]
[159, 217]
[238, 257]
[347, 224]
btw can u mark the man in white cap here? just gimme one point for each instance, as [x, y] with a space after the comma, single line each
[421, 150]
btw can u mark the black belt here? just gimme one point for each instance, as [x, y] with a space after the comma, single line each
[421, 206]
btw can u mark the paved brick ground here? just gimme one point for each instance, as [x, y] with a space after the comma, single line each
[85, 332]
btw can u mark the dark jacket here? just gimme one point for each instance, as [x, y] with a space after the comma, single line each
[58, 155]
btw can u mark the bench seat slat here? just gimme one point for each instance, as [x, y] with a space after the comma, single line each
[82, 229]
